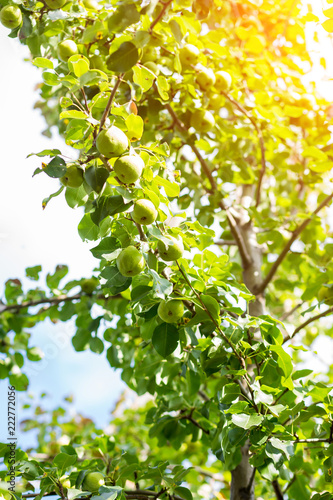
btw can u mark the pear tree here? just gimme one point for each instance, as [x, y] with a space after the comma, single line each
[201, 165]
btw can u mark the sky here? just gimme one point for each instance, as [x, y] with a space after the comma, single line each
[31, 236]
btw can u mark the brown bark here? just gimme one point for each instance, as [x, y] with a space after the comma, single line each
[242, 483]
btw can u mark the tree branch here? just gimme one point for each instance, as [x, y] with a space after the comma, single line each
[306, 323]
[194, 422]
[289, 313]
[227, 243]
[286, 249]
[50, 300]
[261, 143]
[109, 104]
[246, 259]
[277, 490]
[159, 17]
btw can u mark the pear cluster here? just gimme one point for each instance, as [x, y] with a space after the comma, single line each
[211, 83]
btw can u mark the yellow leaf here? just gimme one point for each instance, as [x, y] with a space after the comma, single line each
[328, 25]
[243, 33]
[255, 44]
[328, 12]
[293, 111]
[310, 17]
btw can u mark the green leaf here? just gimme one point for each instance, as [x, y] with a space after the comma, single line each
[53, 280]
[230, 392]
[65, 102]
[163, 87]
[73, 113]
[212, 305]
[172, 189]
[76, 197]
[107, 206]
[63, 461]
[79, 64]
[183, 492]
[247, 421]
[106, 248]
[165, 339]
[53, 195]
[33, 272]
[46, 152]
[283, 360]
[42, 62]
[50, 79]
[96, 345]
[124, 58]
[56, 168]
[115, 282]
[161, 286]
[193, 381]
[125, 15]
[143, 77]
[134, 124]
[87, 229]
[96, 177]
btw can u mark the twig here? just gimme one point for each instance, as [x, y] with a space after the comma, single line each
[277, 489]
[194, 422]
[281, 395]
[85, 100]
[49, 300]
[109, 104]
[314, 440]
[293, 479]
[203, 395]
[306, 323]
[227, 243]
[286, 249]
[246, 259]
[140, 230]
[159, 17]
[261, 143]
[289, 313]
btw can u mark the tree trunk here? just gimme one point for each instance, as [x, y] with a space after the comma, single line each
[242, 482]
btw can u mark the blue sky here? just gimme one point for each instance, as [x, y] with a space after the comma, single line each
[31, 236]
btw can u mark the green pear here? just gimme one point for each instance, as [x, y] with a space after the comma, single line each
[202, 120]
[67, 49]
[11, 16]
[205, 78]
[326, 294]
[144, 212]
[129, 168]
[97, 62]
[216, 101]
[222, 81]
[170, 311]
[89, 285]
[73, 177]
[91, 4]
[65, 481]
[171, 251]
[130, 262]
[189, 54]
[55, 4]
[149, 54]
[112, 142]
[93, 481]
